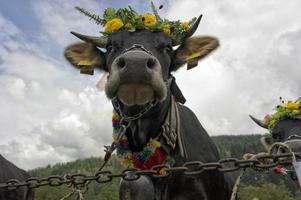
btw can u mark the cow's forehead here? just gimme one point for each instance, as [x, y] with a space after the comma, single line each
[288, 127]
[139, 37]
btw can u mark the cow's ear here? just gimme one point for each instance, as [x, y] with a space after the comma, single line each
[86, 57]
[193, 49]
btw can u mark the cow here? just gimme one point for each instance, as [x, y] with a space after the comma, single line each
[287, 131]
[9, 171]
[140, 85]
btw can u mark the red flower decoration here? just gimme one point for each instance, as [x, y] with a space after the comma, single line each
[266, 119]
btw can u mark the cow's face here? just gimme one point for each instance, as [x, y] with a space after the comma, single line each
[138, 66]
[139, 63]
[284, 131]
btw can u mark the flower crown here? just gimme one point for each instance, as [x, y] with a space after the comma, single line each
[289, 110]
[128, 19]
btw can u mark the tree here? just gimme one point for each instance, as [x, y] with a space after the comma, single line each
[266, 191]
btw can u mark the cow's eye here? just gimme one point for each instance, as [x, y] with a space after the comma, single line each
[168, 49]
[109, 47]
[277, 136]
[164, 48]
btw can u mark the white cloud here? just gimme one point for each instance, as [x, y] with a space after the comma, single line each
[48, 112]
[58, 18]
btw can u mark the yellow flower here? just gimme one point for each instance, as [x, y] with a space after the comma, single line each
[115, 115]
[127, 163]
[295, 112]
[113, 25]
[291, 106]
[166, 29]
[185, 26]
[154, 143]
[272, 123]
[149, 20]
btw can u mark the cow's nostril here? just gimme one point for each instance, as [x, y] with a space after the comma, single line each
[121, 63]
[151, 63]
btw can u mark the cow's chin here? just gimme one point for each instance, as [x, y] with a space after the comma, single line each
[132, 94]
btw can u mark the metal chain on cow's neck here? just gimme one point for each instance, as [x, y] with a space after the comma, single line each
[127, 118]
[125, 123]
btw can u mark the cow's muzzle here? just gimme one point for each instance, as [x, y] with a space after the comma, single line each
[136, 78]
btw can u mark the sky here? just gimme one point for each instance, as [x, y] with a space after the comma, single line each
[51, 113]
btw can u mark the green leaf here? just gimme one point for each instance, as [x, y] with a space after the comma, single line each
[109, 14]
[155, 12]
[97, 19]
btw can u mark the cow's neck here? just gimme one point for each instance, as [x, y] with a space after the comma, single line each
[148, 126]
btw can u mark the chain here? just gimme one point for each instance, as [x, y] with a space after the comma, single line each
[79, 190]
[125, 117]
[189, 168]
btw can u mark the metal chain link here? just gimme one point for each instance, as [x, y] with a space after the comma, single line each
[190, 168]
[127, 118]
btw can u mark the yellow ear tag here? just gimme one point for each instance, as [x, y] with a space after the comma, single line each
[85, 62]
[192, 56]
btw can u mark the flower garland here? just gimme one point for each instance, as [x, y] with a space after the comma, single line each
[152, 154]
[289, 110]
[128, 19]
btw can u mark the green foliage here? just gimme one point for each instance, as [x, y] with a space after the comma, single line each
[155, 11]
[87, 166]
[96, 18]
[132, 21]
[267, 191]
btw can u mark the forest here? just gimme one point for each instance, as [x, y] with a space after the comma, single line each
[255, 185]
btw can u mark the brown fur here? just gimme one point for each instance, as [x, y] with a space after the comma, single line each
[83, 51]
[200, 44]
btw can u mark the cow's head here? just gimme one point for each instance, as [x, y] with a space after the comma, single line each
[284, 126]
[139, 63]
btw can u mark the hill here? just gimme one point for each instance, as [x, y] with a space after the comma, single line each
[252, 186]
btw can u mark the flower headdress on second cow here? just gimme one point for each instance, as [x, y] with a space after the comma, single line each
[289, 110]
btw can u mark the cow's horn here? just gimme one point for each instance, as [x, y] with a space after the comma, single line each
[259, 122]
[98, 41]
[191, 30]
